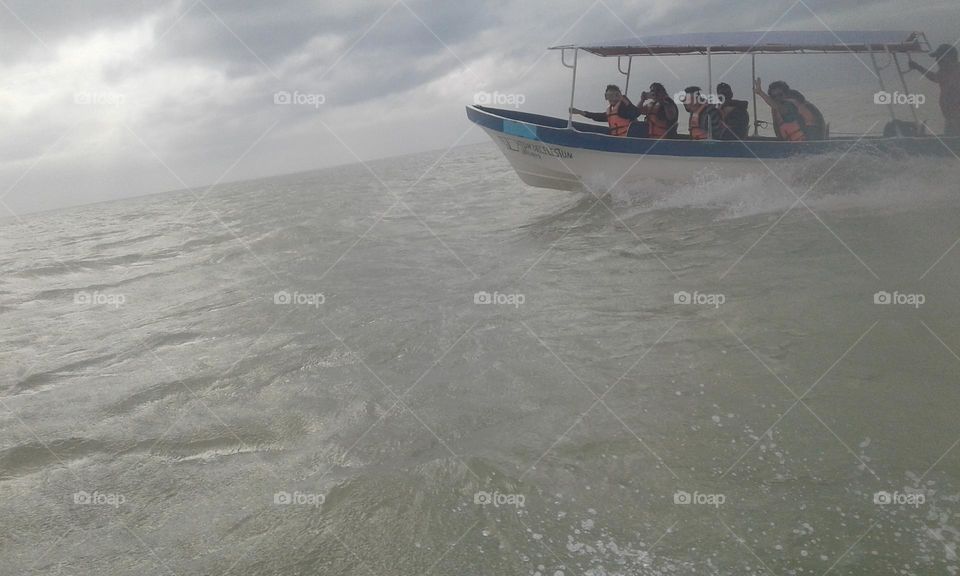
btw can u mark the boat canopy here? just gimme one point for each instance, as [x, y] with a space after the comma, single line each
[786, 42]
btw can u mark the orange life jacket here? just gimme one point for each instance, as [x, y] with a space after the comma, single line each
[696, 132]
[659, 125]
[796, 131]
[619, 126]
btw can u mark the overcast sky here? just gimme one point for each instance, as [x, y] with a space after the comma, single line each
[103, 99]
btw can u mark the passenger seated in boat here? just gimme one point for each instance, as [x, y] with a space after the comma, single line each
[734, 117]
[794, 119]
[620, 114]
[948, 77]
[705, 121]
[661, 111]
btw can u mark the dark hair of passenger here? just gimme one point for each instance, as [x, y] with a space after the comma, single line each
[779, 85]
[612, 88]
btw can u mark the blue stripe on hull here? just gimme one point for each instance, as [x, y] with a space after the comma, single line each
[520, 129]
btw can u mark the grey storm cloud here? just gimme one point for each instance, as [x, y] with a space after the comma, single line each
[238, 34]
[162, 93]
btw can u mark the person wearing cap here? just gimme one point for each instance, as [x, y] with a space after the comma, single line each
[734, 117]
[620, 115]
[794, 118]
[948, 77]
[661, 111]
[705, 121]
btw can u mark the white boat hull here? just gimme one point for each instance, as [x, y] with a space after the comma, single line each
[577, 169]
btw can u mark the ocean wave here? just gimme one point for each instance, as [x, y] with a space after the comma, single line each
[56, 293]
[34, 456]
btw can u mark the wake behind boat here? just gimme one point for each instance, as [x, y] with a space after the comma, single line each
[562, 154]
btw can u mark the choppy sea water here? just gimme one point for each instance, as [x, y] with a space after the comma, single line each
[424, 367]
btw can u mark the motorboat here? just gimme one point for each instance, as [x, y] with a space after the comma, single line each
[563, 154]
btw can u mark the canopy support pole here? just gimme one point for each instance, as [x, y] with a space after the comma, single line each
[573, 87]
[756, 114]
[903, 82]
[626, 88]
[626, 72]
[883, 88]
[709, 72]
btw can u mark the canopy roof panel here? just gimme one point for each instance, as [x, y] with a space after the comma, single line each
[759, 43]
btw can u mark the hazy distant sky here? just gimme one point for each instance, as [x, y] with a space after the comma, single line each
[103, 99]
